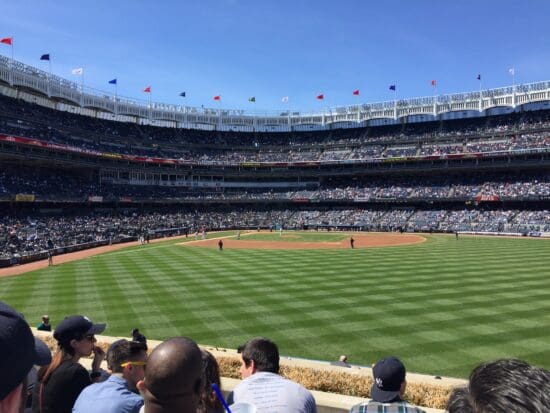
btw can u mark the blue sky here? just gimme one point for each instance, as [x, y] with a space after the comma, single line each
[270, 49]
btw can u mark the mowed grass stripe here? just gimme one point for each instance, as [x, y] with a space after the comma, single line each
[442, 306]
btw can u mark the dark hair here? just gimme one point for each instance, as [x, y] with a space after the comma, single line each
[122, 351]
[505, 385]
[208, 401]
[64, 352]
[264, 352]
[137, 336]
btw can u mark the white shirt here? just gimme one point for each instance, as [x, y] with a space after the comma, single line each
[272, 393]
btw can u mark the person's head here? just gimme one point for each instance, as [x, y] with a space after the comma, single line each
[506, 385]
[210, 374]
[389, 380]
[135, 332]
[19, 351]
[128, 358]
[259, 354]
[46, 319]
[173, 377]
[75, 335]
[344, 358]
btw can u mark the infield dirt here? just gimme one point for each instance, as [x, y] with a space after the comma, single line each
[361, 241]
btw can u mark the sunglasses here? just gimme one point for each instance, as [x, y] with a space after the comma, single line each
[134, 363]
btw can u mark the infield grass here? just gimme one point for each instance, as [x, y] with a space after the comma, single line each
[442, 306]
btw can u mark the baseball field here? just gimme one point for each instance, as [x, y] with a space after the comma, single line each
[440, 304]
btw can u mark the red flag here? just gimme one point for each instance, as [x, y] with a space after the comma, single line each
[433, 83]
[7, 40]
[320, 97]
[218, 97]
[356, 92]
[147, 89]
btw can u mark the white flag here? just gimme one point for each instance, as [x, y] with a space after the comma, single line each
[512, 71]
[285, 99]
[79, 71]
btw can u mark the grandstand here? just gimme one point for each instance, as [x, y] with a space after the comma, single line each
[475, 162]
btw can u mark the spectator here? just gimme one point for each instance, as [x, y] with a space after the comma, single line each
[19, 351]
[342, 362]
[263, 387]
[65, 378]
[173, 377]
[126, 361]
[503, 386]
[209, 402]
[387, 390]
[45, 324]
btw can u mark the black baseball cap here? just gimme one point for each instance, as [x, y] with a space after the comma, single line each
[389, 374]
[19, 350]
[75, 327]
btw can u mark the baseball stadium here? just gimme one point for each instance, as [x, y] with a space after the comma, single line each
[412, 227]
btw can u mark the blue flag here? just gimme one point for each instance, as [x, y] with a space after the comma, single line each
[45, 57]
[392, 87]
[112, 82]
[182, 94]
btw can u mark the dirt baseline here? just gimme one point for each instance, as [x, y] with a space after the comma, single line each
[361, 241]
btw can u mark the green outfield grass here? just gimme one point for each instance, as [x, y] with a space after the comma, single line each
[442, 306]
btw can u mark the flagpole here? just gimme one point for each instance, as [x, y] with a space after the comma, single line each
[82, 88]
[49, 74]
[358, 109]
[480, 95]
[12, 63]
[289, 114]
[115, 103]
[395, 101]
[219, 113]
[513, 73]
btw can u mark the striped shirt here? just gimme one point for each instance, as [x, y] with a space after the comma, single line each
[395, 407]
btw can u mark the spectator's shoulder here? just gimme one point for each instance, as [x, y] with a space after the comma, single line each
[77, 371]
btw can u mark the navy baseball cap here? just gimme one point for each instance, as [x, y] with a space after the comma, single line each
[76, 327]
[389, 374]
[19, 350]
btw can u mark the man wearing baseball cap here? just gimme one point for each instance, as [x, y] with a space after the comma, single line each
[19, 351]
[387, 390]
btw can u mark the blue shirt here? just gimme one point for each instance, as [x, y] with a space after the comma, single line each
[110, 396]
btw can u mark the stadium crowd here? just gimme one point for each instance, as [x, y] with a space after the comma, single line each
[64, 185]
[514, 132]
[35, 234]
